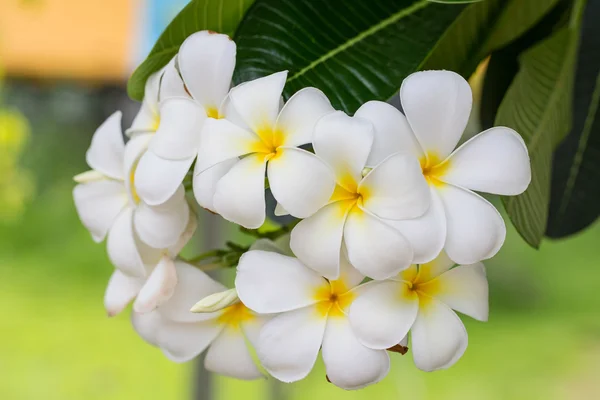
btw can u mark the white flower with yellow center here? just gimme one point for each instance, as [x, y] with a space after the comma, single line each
[421, 299]
[363, 201]
[205, 61]
[437, 105]
[108, 204]
[259, 136]
[312, 317]
[182, 335]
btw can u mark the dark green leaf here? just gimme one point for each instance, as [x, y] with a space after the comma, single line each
[503, 64]
[575, 192]
[353, 51]
[216, 15]
[538, 106]
[483, 28]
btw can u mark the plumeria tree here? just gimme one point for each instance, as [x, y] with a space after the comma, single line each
[382, 230]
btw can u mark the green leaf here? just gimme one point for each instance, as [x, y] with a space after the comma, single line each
[538, 106]
[455, 1]
[216, 15]
[354, 51]
[575, 190]
[483, 28]
[503, 64]
[364, 52]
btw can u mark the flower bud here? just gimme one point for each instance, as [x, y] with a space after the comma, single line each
[216, 302]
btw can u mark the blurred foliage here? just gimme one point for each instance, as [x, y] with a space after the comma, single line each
[16, 183]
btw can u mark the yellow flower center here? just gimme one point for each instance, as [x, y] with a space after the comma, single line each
[270, 141]
[415, 285]
[155, 122]
[235, 314]
[333, 299]
[213, 112]
[433, 168]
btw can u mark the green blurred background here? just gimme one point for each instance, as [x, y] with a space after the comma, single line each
[542, 340]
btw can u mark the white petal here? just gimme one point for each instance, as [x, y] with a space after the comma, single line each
[374, 248]
[205, 182]
[257, 101]
[178, 135]
[300, 181]
[98, 204]
[396, 188]
[161, 226]
[383, 313]
[348, 363]
[192, 285]
[289, 343]
[344, 143]
[300, 114]
[134, 149]
[317, 240]
[106, 151]
[147, 118]
[206, 62]
[171, 84]
[426, 234]
[121, 246]
[464, 289]
[348, 274]
[157, 179]
[437, 105]
[240, 194]
[392, 131]
[476, 230]
[183, 341]
[147, 325]
[185, 237]
[222, 140]
[438, 336]
[495, 161]
[121, 290]
[229, 355]
[269, 282]
[158, 288]
[434, 268]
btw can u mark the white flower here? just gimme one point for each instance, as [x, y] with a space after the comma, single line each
[206, 61]
[437, 105]
[107, 202]
[313, 316]
[152, 288]
[182, 335]
[258, 135]
[421, 299]
[394, 189]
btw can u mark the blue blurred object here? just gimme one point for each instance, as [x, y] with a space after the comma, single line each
[156, 15]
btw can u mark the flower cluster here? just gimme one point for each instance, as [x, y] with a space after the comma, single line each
[385, 200]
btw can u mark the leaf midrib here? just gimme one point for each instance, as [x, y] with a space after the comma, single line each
[361, 36]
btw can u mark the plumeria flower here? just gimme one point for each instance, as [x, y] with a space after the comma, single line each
[107, 202]
[156, 285]
[182, 335]
[312, 317]
[259, 135]
[437, 105]
[421, 299]
[363, 199]
[205, 61]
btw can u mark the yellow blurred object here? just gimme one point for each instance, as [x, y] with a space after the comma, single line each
[86, 39]
[16, 184]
